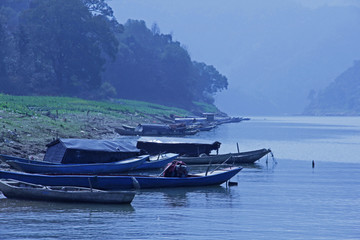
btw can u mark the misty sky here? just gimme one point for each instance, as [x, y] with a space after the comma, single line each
[273, 52]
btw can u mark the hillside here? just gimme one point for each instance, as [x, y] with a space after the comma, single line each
[341, 97]
[29, 123]
[78, 49]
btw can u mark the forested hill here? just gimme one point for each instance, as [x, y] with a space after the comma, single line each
[77, 48]
[341, 97]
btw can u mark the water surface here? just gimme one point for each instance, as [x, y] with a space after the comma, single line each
[288, 200]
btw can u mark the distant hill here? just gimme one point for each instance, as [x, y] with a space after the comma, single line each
[272, 52]
[341, 97]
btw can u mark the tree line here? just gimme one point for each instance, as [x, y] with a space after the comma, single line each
[77, 48]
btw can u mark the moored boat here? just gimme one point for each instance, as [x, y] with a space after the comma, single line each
[156, 130]
[182, 146]
[231, 158]
[87, 151]
[6, 158]
[118, 182]
[92, 168]
[28, 191]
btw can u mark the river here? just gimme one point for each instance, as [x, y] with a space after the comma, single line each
[285, 198]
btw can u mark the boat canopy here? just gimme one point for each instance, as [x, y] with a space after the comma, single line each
[89, 150]
[182, 146]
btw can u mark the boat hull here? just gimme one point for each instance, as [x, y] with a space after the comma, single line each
[231, 158]
[28, 191]
[95, 168]
[119, 182]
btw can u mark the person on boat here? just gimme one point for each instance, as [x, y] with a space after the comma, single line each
[181, 170]
[176, 169]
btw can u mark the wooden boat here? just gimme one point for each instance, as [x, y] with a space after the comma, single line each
[182, 146]
[118, 182]
[93, 168]
[231, 158]
[6, 158]
[76, 151]
[153, 162]
[28, 191]
[157, 161]
[156, 130]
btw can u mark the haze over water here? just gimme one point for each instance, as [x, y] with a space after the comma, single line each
[287, 200]
[332, 139]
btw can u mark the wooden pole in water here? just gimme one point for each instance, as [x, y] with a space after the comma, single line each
[237, 145]
[313, 164]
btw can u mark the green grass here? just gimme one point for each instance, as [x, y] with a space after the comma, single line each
[28, 123]
[30, 105]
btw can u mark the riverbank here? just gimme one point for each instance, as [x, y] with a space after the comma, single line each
[27, 123]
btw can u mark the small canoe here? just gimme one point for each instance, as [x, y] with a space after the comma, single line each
[157, 161]
[6, 158]
[24, 190]
[153, 162]
[120, 182]
[92, 168]
[231, 158]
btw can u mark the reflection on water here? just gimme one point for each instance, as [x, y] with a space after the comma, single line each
[39, 206]
[181, 197]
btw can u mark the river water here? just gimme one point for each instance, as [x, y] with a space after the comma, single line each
[287, 200]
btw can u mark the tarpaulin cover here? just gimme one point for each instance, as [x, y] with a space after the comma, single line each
[182, 146]
[89, 150]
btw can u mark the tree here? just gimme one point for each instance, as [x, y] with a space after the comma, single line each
[155, 29]
[67, 43]
[3, 43]
[99, 7]
[7, 51]
[206, 82]
[150, 66]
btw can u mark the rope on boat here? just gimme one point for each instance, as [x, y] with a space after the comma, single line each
[208, 168]
[272, 156]
[221, 164]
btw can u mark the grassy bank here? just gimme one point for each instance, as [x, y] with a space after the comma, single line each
[28, 123]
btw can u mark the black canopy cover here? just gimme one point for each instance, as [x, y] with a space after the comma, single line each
[69, 151]
[182, 146]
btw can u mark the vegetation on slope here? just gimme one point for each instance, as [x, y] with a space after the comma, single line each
[78, 49]
[28, 123]
[341, 97]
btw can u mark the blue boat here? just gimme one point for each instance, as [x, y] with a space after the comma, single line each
[157, 161]
[92, 168]
[153, 162]
[118, 182]
[6, 158]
